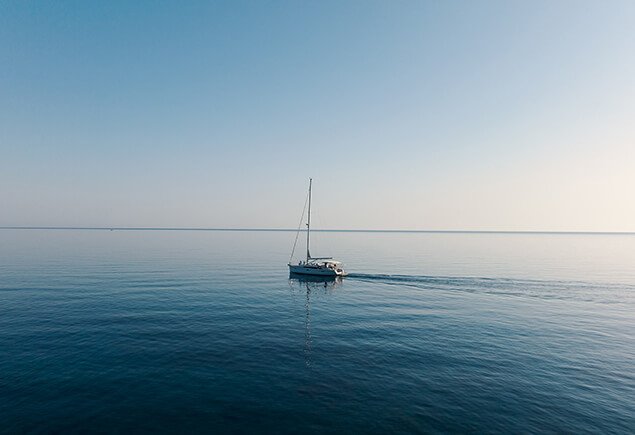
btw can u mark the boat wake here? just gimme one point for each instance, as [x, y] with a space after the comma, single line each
[601, 292]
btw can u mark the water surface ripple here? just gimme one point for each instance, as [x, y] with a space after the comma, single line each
[117, 332]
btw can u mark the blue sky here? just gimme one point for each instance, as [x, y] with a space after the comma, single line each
[408, 115]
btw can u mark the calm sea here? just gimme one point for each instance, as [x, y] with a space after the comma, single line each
[204, 332]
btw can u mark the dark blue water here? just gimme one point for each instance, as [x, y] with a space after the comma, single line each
[175, 331]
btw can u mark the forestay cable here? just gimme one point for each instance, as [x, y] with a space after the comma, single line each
[299, 226]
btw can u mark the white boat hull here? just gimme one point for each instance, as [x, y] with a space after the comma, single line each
[308, 269]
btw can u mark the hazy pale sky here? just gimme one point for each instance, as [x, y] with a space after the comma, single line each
[457, 115]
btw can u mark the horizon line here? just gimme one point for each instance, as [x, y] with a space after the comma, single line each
[317, 230]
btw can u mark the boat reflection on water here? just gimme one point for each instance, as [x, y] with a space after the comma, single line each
[315, 282]
[316, 285]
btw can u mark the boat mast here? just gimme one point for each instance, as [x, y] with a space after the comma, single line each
[308, 224]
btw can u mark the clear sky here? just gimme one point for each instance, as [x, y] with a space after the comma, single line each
[438, 115]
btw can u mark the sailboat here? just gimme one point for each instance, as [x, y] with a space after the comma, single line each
[319, 266]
